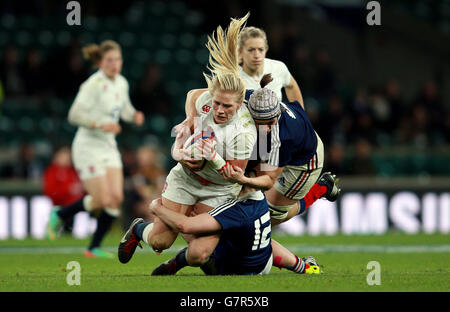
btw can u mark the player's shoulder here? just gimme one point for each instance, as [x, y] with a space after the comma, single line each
[122, 80]
[276, 64]
[245, 120]
[93, 82]
[205, 97]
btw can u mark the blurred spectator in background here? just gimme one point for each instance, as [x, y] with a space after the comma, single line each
[388, 115]
[10, 74]
[303, 69]
[335, 159]
[362, 163]
[128, 161]
[331, 123]
[381, 109]
[325, 78]
[61, 183]
[151, 96]
[2, 94]
[420, 126]
[396, 102]
[34, 74]
[147, 183]
[28, 167]
[68, 60]
[432, 105]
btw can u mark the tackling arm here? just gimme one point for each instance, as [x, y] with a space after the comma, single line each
[200, 224]
[264, 179]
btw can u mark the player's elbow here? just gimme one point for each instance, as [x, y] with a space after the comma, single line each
[268, 184]
[184, 226]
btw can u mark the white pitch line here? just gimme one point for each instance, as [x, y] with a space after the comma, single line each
[296, 248]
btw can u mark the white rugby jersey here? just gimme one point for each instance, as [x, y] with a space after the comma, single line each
[102, 100]
[280, 74]
[235, 139]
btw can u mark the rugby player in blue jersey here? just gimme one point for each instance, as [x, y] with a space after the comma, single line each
[289, 156]
[239, 231]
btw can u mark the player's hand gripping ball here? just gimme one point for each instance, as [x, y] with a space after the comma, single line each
[200, 146]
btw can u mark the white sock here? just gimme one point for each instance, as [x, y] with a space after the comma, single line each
[87, 203]
[145, 233]
[112, 212]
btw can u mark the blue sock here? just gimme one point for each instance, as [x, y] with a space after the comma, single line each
[139, 229]
[301, 206]
[180, 259]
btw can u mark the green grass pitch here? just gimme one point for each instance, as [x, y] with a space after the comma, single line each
[407, 263]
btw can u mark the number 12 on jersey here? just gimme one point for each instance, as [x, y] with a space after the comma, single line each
[262, 239]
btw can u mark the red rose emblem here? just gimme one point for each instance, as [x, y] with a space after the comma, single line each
[206, 108]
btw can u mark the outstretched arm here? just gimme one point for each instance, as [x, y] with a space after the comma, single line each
[200, 224]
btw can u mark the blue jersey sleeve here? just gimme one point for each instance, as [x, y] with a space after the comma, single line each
[293, 139]
[248, 92]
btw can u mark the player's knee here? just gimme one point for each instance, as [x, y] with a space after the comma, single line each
[197, 256]
[117, 198]
[101, 201]
[158, 243]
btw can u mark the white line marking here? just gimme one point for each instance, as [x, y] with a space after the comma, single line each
[295, 248]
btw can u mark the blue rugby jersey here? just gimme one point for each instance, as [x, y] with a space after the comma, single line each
[245, 242]
[292, 141]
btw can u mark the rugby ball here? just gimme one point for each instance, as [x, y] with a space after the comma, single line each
[207, 133]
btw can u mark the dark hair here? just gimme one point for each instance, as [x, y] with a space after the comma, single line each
[265, 80]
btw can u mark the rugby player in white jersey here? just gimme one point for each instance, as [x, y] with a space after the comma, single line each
[228, 124]
[253, 47]
[101, 101]
[198, 103]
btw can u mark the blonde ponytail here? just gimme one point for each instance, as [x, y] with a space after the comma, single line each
[224, 60]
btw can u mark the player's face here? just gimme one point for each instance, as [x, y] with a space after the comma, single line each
[111, 63]
[253, 53]
[224, 106]
[266, 125]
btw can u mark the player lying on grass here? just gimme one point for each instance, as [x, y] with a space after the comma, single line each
[238, 231]
[202, 246]
[232, 239]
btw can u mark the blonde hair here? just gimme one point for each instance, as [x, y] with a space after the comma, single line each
[95, 52]
[224, 60]
[252, 32]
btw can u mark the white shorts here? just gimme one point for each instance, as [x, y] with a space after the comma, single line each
[92, 160]
[183, 188]
[295, 181]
